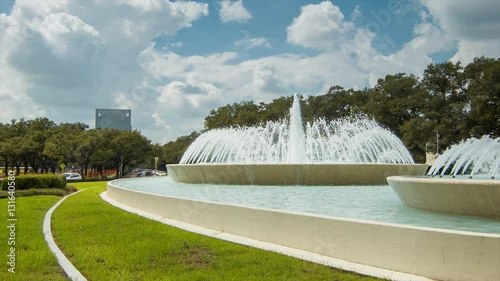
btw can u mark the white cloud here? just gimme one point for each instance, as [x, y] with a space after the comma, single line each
[264, 80]
[177, 44]
[318, 26]
[473, 25]
[233, 11]
[63, 59]
[251, 43]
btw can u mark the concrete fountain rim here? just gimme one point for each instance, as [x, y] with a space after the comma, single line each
[444, 180]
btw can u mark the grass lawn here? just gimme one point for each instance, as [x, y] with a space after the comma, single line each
[106, 243]
[34, 260]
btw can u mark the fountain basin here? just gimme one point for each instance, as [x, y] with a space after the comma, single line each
[291, 174]
[434, 253]
[472, 197]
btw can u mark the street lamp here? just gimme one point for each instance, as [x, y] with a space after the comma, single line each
[437, 142]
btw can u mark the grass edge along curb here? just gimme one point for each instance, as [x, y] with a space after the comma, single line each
[63, 261]
[292, 252]
[107, 243]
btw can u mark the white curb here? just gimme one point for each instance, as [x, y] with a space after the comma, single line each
[301, 254]
[66, 265]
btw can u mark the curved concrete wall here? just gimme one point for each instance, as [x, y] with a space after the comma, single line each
[291, 174]
[453, 196]
[433, 253]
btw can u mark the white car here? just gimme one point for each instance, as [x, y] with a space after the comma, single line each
[72, 176]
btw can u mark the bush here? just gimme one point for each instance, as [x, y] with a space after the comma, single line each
[40, 191]
[36, 181]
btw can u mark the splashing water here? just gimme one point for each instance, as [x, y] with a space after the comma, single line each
[296, 139]
[470, 157]
[344, 141]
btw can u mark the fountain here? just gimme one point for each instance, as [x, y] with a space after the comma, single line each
[475, 158]
[464, 180]
[294, 169]
[341, 152]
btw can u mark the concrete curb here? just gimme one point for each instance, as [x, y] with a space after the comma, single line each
[301, 254]
[66, 265]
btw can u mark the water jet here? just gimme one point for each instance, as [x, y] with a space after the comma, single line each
[350, 151]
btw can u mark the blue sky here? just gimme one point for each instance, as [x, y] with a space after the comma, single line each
[173, 61]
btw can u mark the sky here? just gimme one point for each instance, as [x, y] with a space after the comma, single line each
[171, 62]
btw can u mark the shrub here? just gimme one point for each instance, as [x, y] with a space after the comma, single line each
[37, 182]
[40, 191]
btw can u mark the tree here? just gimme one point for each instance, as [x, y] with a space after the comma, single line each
[335, 104]
[276, 110]
[447, 106]
[396, 99]
[62, 145]
[129, 148]
[39, 130]
[174, 150]
[90, 142]
[483, 80]
[245, 113]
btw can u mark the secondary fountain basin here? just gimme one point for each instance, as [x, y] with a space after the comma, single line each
[463, 180]
[471, 197]
[291, 174]
[285, 215]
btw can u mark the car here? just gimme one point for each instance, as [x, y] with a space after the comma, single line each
[72, 176]
[159, 173]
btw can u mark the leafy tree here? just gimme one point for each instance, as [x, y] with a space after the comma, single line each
[483, 80]
[40, 130]
[5, 146]
[246, 113]
[90, 142]
[63, 144]
[447, 106]
[335, 104]
[276, 110]
[395, 100]
[174, 150]
[129, 148]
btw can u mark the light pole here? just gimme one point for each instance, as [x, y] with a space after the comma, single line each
[156, 163]
[437, 142]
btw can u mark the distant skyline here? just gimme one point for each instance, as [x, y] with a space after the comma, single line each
[170, 62]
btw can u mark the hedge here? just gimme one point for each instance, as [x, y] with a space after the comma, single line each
[36, 181]
[40, 191]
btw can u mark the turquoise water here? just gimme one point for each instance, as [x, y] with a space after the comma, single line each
[374, 203]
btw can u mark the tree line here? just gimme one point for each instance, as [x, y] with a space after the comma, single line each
[450, 102]
[40, 145]
[454, 101]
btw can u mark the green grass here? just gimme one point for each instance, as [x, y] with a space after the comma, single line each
[85, 185]
[106, 243]
[34, 260]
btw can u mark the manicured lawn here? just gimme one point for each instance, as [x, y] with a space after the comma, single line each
[34, 260]
[106, 243]
[84, 185]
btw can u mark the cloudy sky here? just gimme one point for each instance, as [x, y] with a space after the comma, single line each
[170, 62]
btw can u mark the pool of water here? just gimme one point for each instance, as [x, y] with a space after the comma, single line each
[374, 203]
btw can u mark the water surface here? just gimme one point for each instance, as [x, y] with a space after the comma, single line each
[374, 203]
